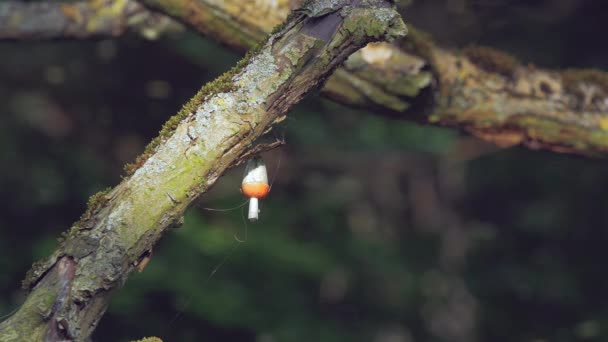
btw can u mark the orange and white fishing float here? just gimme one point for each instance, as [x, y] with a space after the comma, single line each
[255, 185]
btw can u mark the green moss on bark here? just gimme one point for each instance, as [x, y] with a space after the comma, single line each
[221, 84]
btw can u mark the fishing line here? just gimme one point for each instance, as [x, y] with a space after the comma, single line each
[227, 209]
[211, 274]
[215, 269]
[236, 244]
[246, 226]
[276, 169]
[11, 313]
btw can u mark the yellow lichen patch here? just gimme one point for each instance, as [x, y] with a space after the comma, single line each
[149, 339]
[492, 60]
[603, 123]
[434, 118]
[114, 6]
[72, 13]
[103, 11]
[463, 73]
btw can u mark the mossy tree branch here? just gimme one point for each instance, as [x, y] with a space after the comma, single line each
[85, 19]
[71, 289]
[482, 91]
[495, 98]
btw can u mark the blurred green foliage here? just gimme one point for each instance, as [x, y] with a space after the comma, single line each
[375, 229]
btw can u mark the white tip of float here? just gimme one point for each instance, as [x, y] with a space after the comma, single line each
[255, 171]
[254, 210]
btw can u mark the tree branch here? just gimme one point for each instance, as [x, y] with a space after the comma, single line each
[482, 91]
[509, 104]
[71, 289]
[85, 19]
[235, 23]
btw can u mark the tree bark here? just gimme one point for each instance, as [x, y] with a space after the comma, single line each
[78, 20]
[479, 90]
[483, 92]
[71, 289]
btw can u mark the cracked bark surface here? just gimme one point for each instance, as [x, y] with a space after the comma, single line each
[71, 289]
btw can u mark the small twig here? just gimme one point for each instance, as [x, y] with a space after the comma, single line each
[257, 149]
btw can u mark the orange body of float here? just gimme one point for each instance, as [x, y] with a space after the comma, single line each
[255, 185]
[258, 190]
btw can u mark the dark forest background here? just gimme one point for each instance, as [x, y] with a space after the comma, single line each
[375, 229]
